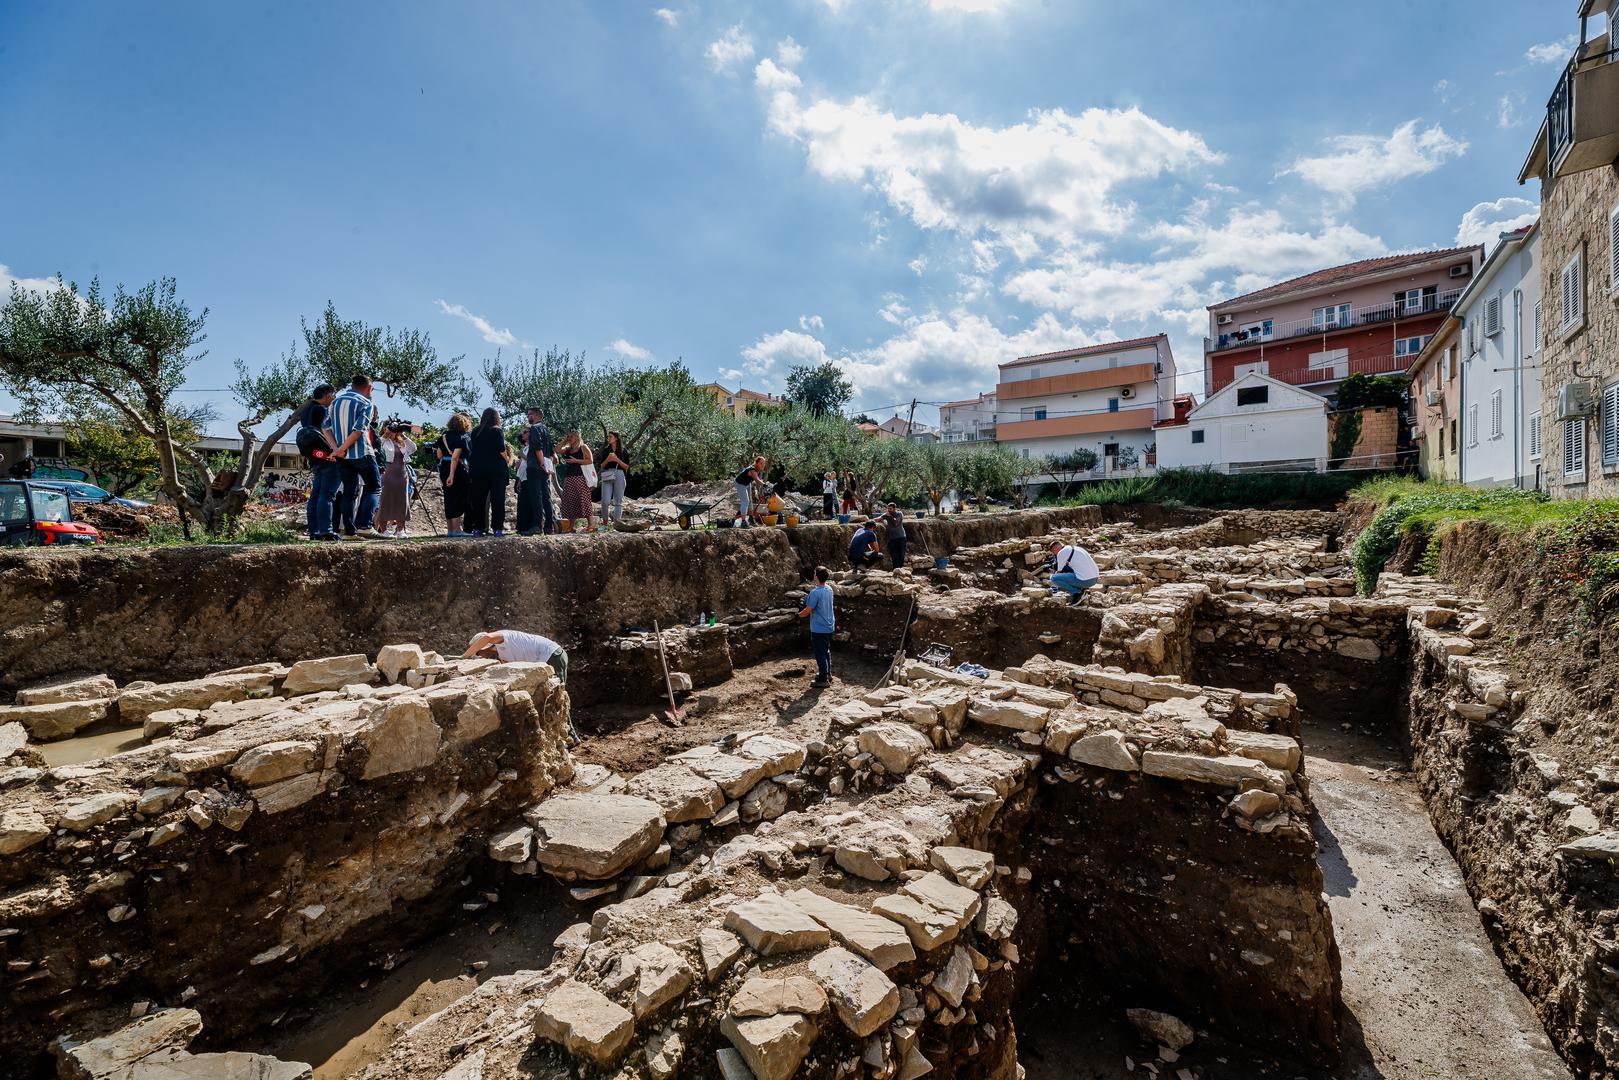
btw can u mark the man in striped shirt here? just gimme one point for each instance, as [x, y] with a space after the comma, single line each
[349, 421]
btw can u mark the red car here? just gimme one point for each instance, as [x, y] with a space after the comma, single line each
[40, 514]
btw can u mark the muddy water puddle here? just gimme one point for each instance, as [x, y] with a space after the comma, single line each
[91, 747]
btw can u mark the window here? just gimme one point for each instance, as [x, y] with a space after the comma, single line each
[1574, 447]
[1495, 415]
[1410, 346]
[1472, 425]
[1197, 437]
[1453, 434]
[1325, 318]
[51, 505]
[1613, 249]
[1253, 395]
[1537, 326]
[1112, 404]
[1571, 282]
[1609, 420]
[1492, 316]
[1450, 363]
[1415, 301]
[1030, 412]
[1534, 436]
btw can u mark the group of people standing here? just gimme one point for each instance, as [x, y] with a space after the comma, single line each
[362, 484]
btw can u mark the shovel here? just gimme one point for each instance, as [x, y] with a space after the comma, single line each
[673, 715]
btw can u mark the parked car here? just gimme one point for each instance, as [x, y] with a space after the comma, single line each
[80, 492]
[40, 513]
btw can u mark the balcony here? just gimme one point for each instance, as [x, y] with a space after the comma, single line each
[1357, 317]
[977, 433]
[1336, 372]
[1582, 117]
[1090, 423]
[1073, 382]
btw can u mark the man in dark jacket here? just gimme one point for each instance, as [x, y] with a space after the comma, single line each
[534, 510]
[895, 521]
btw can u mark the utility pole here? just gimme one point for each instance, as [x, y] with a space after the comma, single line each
[910, 421]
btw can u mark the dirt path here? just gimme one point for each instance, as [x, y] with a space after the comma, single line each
[1424, 995]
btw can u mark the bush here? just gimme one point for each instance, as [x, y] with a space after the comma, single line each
[255, 531]
[1409, 507]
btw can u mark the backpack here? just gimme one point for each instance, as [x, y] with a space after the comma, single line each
[312, 444]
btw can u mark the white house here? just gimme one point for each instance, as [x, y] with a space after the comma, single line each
[1253, 422]
[1500, 371]
[1105, 398]
[969, 420]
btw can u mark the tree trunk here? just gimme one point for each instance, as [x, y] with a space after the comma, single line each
[221, 510]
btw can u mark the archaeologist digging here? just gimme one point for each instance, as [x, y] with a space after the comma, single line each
[863, 550]
[1074, 570]
[510, 646]
[818, 610]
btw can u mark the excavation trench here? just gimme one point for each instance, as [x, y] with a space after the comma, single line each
[394, 916]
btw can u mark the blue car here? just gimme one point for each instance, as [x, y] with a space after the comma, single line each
[79, 492]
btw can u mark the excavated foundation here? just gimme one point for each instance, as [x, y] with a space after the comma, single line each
[360, 861]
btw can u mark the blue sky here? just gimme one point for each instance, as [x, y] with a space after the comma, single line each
[917, 189]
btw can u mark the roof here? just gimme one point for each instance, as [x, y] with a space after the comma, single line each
[1088, 350]
[1535, 160]
[1510, 243]
[745, 392]
[1337, 275]
[1257, 376]
[979, 400]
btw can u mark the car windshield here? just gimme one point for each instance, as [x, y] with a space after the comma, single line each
[13, 507]
[88, 491]
[50, 504]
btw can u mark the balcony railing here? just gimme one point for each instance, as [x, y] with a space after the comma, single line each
[1560, 115]
[1582, 131]
[1337, 371]
[1377, 314]
[981, 433]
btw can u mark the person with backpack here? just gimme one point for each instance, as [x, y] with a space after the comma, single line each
[1073, 571]
[349, 421]
[534, 507]
[316, 448]
[453, 450]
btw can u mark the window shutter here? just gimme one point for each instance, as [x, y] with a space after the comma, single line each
[1613, 249]
[1495, 415]
[1537, 326]
[1574, 446]
[1492, 315]
[1610, 424]
[1472, 425]
[1534, 436]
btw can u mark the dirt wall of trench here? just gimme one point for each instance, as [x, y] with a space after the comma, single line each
[175, 613]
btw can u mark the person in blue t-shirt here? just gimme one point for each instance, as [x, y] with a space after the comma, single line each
[818, 610]
[863, 549]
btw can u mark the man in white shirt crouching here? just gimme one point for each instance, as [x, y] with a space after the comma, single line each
[1075, 571]
[515, 645]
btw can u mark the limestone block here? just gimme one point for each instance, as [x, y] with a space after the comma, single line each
[513, 846]
[1358, 648]
[953, 982]
[951, 703]
[1228, 770]
[734, 773]
[1161, 1028]
[585, 1022]
[232, 1065]
[21, 829]
[155, 800]
[136, 704]
[480, 716]
[876, 938]
[661, 976]
[1601, 847]
[165, 722]
[93, 810]
[598, 780]
[1105, 750]
[779, 755]
[595, 836]
[771, 925]
[276, 761]
[864, 998]
[394, 660]
[56, 720]
[927, 927]
[765, 801]
[1046, 698]
[87, 688]
[1016, 715]
[718, 950]
[896, 745]
[13, 737]
[772, 1046]
[1277, 751]
[1255, 803]
[328, 673]
[998, 919]
[679, 792]
[968, 866]
[680, 682]
[399, 737]
[288, 794]
[764, 995]
[162, 1032]
[1061, 731]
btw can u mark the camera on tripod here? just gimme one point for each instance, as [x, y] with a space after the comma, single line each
[393, 425]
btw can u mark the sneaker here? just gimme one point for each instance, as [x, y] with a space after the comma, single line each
[372, 534]
[401, 534]
[353, 536]
[1074, 600]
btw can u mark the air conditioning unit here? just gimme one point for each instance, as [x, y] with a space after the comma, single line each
[1127, 391]
[1434, 397]
[1224, 320]
[1573, 400]
[1461, 270]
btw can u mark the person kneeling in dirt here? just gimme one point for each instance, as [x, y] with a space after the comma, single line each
[818, 609]
[863, 550]
[515, 645]
[1075, 570]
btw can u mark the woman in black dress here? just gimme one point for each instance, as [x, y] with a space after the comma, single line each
[491, 474]
[454, 465]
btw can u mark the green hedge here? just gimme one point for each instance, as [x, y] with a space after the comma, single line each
[1204, 487]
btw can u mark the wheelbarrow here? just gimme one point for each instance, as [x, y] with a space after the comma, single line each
[936, 655]
[690, 511]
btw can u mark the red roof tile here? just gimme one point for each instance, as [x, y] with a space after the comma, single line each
[1087, 350]
[1334, 275]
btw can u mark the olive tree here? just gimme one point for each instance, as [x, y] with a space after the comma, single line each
[573, 394]
[939, 467]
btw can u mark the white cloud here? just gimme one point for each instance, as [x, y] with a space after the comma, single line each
[918, 264]
[27, 284]
[1354, 163]
[1552, 52]
[811, 322]
[1507, 114]
[893, 310]
[789, 52]
[668, 15]
[770, 76]
[1488, 220]
[973, 7]
[731, 374]
[773, 354]
[503, 338]
[1444, 91]
[1048, 178]
[729, 49]
[629, 350]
